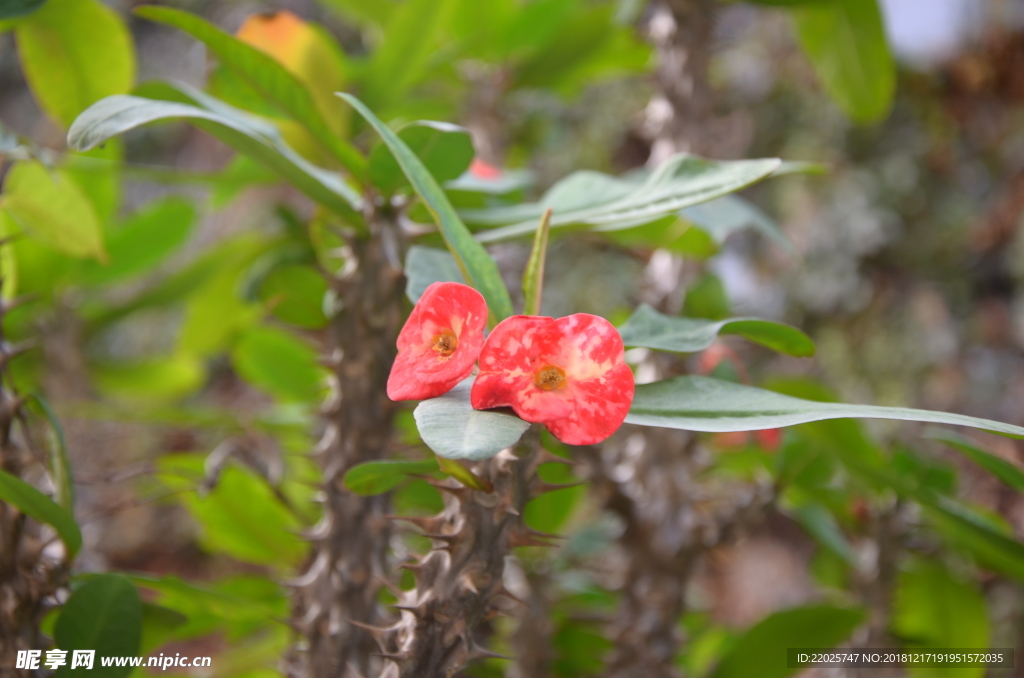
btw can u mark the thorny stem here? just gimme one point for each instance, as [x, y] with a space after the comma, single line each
[27, 578]
[338, 588]
[458, 582]
[672, 516]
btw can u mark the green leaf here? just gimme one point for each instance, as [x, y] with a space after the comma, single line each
[296, 295]
[166, 378]
[377, 477]
[238, 605]
[608, 204]
[933, 610]
[761, 651]
[104, 615]
[453, 429]
[703, 404]
[241, 515]
[362, 12]
[264, 73]
[404, 56]
[73, 53]
[446, 151]
[38, 506]
[846, 42]
[966, 529]
[650, 329]
[819, 523]
[54, 209]
[707, 298]
[474, 261]
[159, 625]
[533, 276]
[1009, 473]
[143, 241]
[59, 461]
[11, 9]
[425, 266]
[243, 132]
[723, 216]
[279, 363]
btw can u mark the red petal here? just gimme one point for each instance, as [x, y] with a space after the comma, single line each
[484, 170]
[419, 372]
[599, 388]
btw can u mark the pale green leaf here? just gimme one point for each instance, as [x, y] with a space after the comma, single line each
[703, 404]
[650, 329]
[453, 429]
[425, 266]
[245, 133]
[74, 53]
[606, 203]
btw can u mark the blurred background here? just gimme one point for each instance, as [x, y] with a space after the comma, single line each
[903, 260]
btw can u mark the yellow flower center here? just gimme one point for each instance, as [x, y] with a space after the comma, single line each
[549, 378]
[445, 344]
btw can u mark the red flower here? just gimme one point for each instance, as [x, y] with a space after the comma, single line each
[439, 342]
[566, 373]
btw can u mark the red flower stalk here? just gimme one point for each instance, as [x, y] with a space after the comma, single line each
[439, 342]
[567, 373]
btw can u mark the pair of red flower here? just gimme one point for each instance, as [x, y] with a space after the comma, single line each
[566, 373]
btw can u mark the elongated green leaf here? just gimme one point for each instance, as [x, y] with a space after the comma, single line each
[1009, 473]
[607, 204]
[75, 52]
[59, 461]
[377, 477]
[143, 241]
[104, 615]
[445, 149]
[845, 40]
[476, 264]
[266, 74]
[820, 524]
[453, 429]
[966, 529]
[403, 58]
[650, 329]
[704, 404]
[37, 505]
[761, 651]
[425, 266]
[54, 209]
[245, 133]
[533, 276]
[723, 216]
